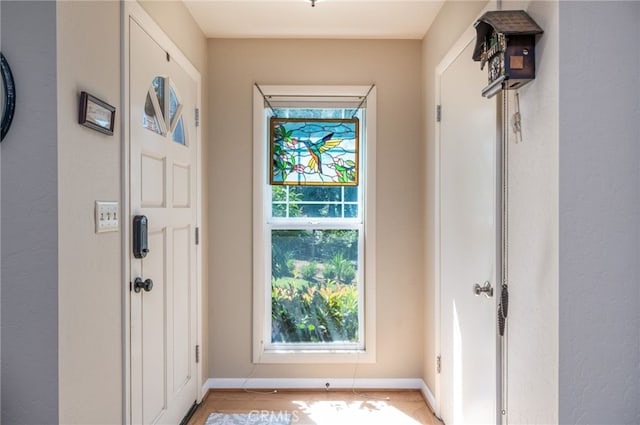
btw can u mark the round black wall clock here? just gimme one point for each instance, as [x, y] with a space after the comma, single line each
[7, 96]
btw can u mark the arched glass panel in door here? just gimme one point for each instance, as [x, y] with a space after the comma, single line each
[157, 104]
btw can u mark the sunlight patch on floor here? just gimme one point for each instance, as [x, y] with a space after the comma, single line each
[368, 412]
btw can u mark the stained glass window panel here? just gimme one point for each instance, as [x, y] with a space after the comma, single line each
[314, 151]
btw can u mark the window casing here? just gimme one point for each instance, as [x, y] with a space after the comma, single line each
[347, 212]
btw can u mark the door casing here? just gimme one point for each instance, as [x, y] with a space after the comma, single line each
[132, 10]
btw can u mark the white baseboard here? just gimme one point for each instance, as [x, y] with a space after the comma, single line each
[428, 395]
[316, 383]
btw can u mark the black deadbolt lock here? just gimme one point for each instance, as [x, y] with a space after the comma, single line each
[140, 240]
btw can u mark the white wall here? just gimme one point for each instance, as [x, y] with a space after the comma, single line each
[29, 218]
[599, 325]
[532, 332]
[234, 65]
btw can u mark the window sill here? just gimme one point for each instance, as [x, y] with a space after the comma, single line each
[314, 356]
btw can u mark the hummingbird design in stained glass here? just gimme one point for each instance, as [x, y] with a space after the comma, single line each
[318, 148]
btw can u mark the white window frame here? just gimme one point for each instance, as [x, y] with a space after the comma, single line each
[262, 350]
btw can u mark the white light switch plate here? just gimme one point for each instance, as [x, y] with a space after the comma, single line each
[107, 216]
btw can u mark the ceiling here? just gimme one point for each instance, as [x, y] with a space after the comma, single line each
[392, 19]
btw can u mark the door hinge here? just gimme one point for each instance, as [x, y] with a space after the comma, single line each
[197, 354]
[438, 113]
[197, 117]
[197, 236]
[438, 364]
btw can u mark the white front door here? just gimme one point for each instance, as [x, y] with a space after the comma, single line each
[163, 153]
[467, 201]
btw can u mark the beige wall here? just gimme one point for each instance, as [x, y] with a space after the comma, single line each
[176, 21]
[454, 18]
[90, 283]
[234, 65]
[90, 288]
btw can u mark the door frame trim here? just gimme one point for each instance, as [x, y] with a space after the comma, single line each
[468, 36]
[132, 10]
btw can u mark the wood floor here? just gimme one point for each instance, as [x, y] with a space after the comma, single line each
[335, 407]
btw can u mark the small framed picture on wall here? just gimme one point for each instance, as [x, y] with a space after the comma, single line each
[96, 114]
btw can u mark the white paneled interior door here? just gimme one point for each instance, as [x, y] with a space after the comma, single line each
[467, 249]
[162, 187]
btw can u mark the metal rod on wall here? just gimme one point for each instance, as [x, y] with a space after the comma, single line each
[273, 111]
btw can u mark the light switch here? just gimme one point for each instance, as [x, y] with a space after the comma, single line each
[107, 216]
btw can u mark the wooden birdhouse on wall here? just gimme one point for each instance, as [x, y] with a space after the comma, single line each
[505, 40]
